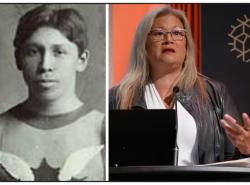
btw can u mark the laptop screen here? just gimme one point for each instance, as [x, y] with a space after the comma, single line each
[141, 137]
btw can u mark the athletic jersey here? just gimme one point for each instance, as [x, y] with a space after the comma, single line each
[65, 147]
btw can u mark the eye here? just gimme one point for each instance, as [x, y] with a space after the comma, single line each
[157, 33]
[59, 52]
[31, 51]
[178, 32]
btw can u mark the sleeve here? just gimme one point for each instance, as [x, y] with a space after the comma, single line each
[229, 107]
[113, 102]
[4, 175]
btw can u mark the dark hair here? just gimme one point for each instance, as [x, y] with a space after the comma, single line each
[68, 21]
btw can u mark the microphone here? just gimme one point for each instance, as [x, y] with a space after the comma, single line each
[176, 89]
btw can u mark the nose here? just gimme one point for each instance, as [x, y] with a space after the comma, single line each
[168, 37]
[46, 63]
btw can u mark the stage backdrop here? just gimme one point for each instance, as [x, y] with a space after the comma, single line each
[226, 48]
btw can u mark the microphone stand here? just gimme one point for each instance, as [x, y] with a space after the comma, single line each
[176, 148]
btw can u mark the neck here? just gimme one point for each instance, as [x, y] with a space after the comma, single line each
[55, 107]
[165, 83]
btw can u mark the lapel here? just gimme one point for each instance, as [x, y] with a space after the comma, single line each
[139, 101]
[185, 99]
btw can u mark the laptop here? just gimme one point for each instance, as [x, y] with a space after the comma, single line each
[141, 137]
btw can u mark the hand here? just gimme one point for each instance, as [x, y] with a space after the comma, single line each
[238, 134]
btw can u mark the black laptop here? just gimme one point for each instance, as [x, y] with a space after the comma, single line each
[141, 137]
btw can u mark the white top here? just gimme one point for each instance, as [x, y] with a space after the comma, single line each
[73, 150]
[187, 131]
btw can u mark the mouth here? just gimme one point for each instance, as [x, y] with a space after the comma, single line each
[168, 50]
[47, 82]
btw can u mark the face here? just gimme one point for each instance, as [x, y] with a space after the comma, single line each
[49, 62]
[168, 52]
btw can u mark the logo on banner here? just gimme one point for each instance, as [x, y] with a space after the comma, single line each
[240, 39]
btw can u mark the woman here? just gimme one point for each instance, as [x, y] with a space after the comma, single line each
[163, 57]
[52, 135]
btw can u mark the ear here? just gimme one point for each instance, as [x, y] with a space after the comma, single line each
[18, 61]
[83, 61]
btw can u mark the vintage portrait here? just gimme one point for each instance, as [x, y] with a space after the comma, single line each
[52, 98]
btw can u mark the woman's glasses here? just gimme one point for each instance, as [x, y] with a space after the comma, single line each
[159, 34]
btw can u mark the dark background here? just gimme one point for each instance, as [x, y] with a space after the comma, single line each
[218, 61]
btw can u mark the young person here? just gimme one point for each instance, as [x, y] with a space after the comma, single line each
[52, 135]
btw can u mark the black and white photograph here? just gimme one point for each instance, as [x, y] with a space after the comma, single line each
[52, 98]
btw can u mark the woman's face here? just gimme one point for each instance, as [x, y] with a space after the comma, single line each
[49, 62]
[168, 53]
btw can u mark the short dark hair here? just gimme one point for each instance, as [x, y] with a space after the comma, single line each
[68, 21]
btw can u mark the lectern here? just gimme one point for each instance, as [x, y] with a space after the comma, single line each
[141, 137]
[141, 146]
[179, 173]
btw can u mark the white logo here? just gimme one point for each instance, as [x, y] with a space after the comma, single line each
[240, 36]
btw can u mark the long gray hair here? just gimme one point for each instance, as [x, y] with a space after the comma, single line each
[138, 73]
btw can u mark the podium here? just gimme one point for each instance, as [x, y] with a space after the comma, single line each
[179, 173]
[140, 149]
[142, 137]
